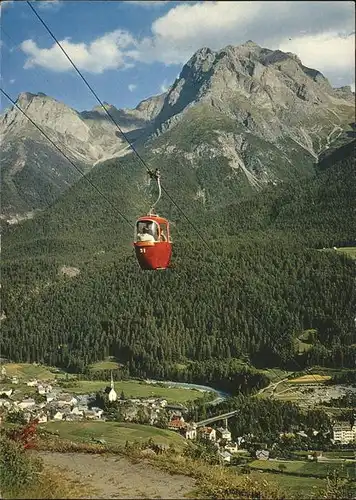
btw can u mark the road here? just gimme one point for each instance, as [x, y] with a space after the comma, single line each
[272, 385]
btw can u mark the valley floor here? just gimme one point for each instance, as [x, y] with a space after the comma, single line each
[116, 477]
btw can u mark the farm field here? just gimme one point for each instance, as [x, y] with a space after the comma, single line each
[295, 486]
[27, 371]
[349, 251]
[108, 364]
[312, 378]
[335, 454]
[305, 468]
[114, 433]
[275, 374]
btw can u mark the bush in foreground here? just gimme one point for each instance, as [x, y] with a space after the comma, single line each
[17, 468]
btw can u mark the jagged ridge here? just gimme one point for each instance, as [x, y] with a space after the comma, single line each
[259, 112]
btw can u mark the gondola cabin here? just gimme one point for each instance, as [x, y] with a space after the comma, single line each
[152, 242]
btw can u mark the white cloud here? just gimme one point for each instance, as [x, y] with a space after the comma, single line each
[327, 51]
[189, 26]
[132, 87]
[331, 53]
[12, 81]
[164, 86]
[48, 4]
[317, 31]
[147, 3]
[102, 54]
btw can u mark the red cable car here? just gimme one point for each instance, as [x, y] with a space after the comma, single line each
[152, 241]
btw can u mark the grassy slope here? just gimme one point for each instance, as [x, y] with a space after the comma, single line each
[306, 468]
[27, 371]
[312, 210]
[349, 251]
[114, 433]
[104, 365]
[294, 486]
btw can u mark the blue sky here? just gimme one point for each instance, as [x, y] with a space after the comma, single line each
[131, 50]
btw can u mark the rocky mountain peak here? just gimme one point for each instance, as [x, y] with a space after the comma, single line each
[99, 109]
[243, 98]
[253, 84]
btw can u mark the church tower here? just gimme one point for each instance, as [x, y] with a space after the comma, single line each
[112, 394]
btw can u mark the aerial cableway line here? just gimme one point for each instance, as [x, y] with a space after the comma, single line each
[151, 173]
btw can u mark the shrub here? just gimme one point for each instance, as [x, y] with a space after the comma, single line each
[17, 468]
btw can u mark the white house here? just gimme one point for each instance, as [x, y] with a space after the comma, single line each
[70, 417]
[90, 414]
[262, 454]
[66, 400]
[4, 392]
[27, 416]
[344, 432]
[224, 434]
[191, 432]
[225, 455]
[231, 447]
[58, 415]
[97, 411]
[32, 383]
[44, 389]
[42, 418]
[76, 411]
[240, 440]
[208, 433]
[26, 403]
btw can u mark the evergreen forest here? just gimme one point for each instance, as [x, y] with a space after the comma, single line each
[239, 295]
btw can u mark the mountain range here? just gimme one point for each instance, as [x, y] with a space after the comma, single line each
[233, 122]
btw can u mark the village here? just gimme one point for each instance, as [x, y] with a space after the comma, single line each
[51, 402]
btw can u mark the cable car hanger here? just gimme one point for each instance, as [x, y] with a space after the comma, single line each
[157, 176]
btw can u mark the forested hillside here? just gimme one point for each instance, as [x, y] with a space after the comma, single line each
[319, 212]
[249, 293]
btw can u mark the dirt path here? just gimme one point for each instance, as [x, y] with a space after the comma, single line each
[117, 477]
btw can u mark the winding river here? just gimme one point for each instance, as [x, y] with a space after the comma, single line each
[220, 395]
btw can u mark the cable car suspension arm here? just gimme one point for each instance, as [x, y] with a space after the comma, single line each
[157, 176]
